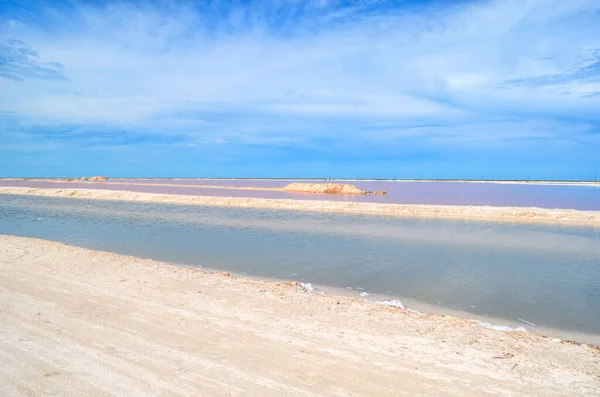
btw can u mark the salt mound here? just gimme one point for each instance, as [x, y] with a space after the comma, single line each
[98, 178]
[328, 188]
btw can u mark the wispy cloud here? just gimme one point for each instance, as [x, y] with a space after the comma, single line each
[372, 74]
[19, 62]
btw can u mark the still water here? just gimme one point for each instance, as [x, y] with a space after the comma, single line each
[577, 197]
[546, 274]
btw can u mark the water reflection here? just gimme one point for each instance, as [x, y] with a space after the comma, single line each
[441, 193]
[546, 274]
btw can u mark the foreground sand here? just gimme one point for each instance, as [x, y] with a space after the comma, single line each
[76, 322]
[487, 213]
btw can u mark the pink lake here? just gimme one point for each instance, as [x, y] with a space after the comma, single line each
[399, 192]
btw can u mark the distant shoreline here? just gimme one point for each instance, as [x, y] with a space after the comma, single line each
[475, 213]
[496, 181]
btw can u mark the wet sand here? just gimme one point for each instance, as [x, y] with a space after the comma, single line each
[82, 322]
[487, 213]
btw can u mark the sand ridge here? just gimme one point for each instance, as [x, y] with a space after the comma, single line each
[309, 188]
[81, 322]
[485, 213]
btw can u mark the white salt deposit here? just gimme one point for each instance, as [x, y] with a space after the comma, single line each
[415, 311]
[364, 294]
[392, 303]
[396, 303]
[501, 327]
[307, 287]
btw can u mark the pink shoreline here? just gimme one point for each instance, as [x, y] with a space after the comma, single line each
[482, 213]
[584, 197]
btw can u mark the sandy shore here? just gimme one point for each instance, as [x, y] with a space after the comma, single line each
[487, 213]
[86, 323]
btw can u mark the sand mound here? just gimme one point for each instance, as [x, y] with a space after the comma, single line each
[329, 188]
[98, 178]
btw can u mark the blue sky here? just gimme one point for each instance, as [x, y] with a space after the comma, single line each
[412, 89]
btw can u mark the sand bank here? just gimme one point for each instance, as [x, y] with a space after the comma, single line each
[506, 182]
[487, 213]
[89, 323]
[311, 188]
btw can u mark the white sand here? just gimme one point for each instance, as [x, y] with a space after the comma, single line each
[487, 213]
[76, 322]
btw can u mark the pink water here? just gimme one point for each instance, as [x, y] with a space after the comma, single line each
[442, 193]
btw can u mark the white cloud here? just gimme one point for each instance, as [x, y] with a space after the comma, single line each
[143, 66]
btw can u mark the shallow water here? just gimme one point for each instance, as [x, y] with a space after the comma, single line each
[442, 193]
[549, 275]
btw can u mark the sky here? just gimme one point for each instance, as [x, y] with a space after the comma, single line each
[488, 89]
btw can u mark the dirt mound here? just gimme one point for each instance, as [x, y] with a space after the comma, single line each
[98, 178]
[328, 188]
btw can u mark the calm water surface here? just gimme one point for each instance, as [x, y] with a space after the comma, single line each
[442, 193]
[549, 275]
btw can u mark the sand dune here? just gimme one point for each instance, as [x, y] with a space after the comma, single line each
[77, 322]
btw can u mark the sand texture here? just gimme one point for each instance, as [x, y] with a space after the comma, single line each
[487, 213]
[77, 322]
[313, 188]
[327, 188]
